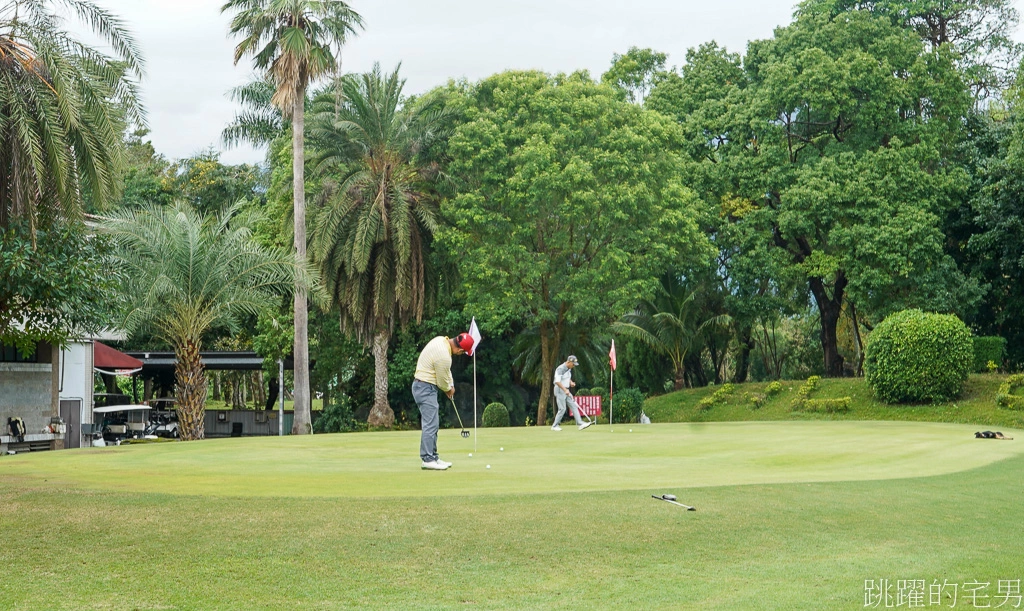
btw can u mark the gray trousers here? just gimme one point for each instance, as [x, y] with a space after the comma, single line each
[425, 396]
[562, 399]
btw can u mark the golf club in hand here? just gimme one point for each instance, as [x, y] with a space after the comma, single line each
[465, 433]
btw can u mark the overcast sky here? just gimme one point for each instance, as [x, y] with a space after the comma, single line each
[189, 57]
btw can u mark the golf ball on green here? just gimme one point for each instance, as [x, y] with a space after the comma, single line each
[630, 430]
[501, 449]
[471, 454]
[488, 466]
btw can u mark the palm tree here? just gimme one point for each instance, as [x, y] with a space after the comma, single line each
[294, 42]
[187, 275]
[673, 324]
[64, 107]
[371, 242]
[259, 123]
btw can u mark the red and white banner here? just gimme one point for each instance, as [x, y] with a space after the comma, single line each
[589, 405]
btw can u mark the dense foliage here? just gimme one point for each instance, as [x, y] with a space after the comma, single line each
[495, 414]
[915, 356]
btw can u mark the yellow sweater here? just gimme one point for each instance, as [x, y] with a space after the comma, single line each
[435, 364]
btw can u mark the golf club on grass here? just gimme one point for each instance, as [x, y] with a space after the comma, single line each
[465, 433]
[671, 498]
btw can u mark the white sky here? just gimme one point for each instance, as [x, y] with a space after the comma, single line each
[189, 57]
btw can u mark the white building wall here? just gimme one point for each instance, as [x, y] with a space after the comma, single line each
[77, 376]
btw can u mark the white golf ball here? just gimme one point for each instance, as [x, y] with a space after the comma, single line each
[488, 466]
[630, 430]
[501, 449]
[471, 454]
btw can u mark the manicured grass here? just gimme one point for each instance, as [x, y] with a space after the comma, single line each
[791, 515]
[977, 405]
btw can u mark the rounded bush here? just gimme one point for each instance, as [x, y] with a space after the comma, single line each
[495, 414]
[628, 405]
[914, 356]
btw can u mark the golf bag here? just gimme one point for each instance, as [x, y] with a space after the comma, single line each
[16, 428]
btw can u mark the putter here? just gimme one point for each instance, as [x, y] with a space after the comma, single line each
[671, 498]
[465, 433]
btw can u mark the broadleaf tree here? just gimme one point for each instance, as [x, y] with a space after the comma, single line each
[570, 205]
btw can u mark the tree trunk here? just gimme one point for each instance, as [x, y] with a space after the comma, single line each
[216, 386]
[547, 367]
[746, 340]
[275, 388]
[679, 378]
[301, 424]
[830, 310]
[191, 395]
[381, 415]
[147, 390]
[858, 340]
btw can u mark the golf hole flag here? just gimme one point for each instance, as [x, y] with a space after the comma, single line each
[474, 332]
[611, 355]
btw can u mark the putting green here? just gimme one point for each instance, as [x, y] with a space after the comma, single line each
[534, 460]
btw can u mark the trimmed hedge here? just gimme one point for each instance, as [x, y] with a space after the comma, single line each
[1005, 397]
[495, 415]
[988, 348]
[804, 392]
[914, 357]
[628, 405]
[827, 406]
[719, 396]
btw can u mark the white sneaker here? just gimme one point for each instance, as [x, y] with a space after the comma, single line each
[443, 463]
[434, 465]
[585, 425]
[556, 428]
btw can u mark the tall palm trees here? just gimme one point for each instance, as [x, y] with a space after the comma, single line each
[186, 275]
[63, 108]
[294, 42]
[372, 240]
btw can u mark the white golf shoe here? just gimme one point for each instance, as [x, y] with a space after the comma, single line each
[443, 463]
[585, 425]
[434, 465]
[556, 428]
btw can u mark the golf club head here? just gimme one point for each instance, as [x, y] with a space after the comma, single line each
[669, 497]
[465, 434]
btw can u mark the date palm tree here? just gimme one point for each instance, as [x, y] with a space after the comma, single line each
[64, 107]
[371, 243]
[187, 275]
[294, 43]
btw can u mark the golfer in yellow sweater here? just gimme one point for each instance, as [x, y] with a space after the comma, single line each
[433, 373]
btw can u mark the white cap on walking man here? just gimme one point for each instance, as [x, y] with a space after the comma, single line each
[564, 398]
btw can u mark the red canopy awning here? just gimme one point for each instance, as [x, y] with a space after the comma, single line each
[105, 357]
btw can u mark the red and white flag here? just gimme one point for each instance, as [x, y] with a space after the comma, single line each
[474, 332]
[611, 355]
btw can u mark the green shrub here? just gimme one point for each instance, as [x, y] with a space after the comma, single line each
[1005, 397]
[756, 400]
[717, 397]
[914, 356]
[598, 391]
[804, 392]
[989, 348]
[628, 405]
[773, 388]
[826, 406]
[495, 415]
[337, 417]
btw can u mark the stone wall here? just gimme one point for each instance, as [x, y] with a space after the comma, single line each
[25, 391]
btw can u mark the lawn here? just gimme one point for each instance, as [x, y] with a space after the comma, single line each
[976, 405]
[791, 515]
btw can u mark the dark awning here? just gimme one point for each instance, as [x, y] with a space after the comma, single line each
[105, 357]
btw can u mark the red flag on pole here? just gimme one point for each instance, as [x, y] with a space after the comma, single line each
[611, 355]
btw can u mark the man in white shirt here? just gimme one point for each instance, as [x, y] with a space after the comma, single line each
[563, 382]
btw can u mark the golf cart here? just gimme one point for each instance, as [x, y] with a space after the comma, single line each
[120, 422]
[163, 419]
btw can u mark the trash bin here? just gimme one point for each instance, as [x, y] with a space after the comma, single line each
[236, 429]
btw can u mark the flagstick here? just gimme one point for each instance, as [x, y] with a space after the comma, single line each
[474, 399]
[611, 399]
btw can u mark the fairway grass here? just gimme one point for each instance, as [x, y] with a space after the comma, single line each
[791, 515]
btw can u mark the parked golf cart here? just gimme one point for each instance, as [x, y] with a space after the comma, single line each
[121, 422]
[163, 419]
